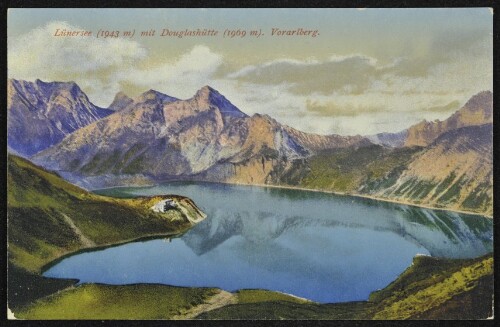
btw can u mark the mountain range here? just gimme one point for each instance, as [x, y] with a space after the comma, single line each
[42, 114]
[155, 137]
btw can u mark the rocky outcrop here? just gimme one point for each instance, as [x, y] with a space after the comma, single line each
[316, 142]
[477, 111]
[393, 140]
[120, 102]
[189, 211]
[41, 114]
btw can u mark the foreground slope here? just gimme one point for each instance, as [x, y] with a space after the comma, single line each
[430, 289]
[48, 217]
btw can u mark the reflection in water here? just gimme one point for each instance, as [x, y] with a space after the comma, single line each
[258, 214]
[323, 247]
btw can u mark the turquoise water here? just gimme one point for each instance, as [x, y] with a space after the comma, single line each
[323, 247]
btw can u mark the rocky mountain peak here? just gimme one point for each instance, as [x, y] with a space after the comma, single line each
[478, 110]
[482, 100]
[155, 95]
[210, 97]
[42, 113]
[120, 101]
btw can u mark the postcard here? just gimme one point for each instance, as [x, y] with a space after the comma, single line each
[262, 164]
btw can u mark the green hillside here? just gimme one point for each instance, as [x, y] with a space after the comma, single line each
[49, 217]
[346, 170]
[456, 180]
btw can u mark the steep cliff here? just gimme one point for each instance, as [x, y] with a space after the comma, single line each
[41, 114]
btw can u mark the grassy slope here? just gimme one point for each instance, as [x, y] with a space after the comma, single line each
[279, 310]
[430, 289]
[255, 296]
[38, 233]
[436, 285]
[345, 170]
[372, 170]
[96, 301]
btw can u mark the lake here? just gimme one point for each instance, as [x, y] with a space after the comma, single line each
[324, 247]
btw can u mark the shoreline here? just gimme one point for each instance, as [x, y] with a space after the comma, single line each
[288, 187]
[100, 247]
[357, 195]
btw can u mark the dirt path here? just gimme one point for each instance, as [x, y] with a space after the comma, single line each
[85, 241]
[219, 300]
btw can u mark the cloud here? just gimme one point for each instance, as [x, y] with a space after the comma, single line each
[180, 77]
[450, 107]
[422, 56]
[352, 74]
[333, 109]
[102, 67]
[40, 54]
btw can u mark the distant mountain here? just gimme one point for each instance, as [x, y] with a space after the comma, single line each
[120, 102]
[41, 114]
[205, 137]
[393, 140]
[455, 171]
[477, 111]
[445, 164]
[316, 142]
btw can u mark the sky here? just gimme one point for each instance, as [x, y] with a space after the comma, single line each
[366, 71]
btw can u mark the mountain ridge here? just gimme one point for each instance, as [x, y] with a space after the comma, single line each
[41, 114]
[155, 137]
[199, 133]
[478, 110]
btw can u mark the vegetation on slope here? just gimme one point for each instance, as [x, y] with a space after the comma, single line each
[346, 170]
[256, 296]
[49, 217]
[391, 173]
[430, 289]
[432, 284]
[97, 301]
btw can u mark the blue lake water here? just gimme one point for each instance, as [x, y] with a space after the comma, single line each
[323, 247]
